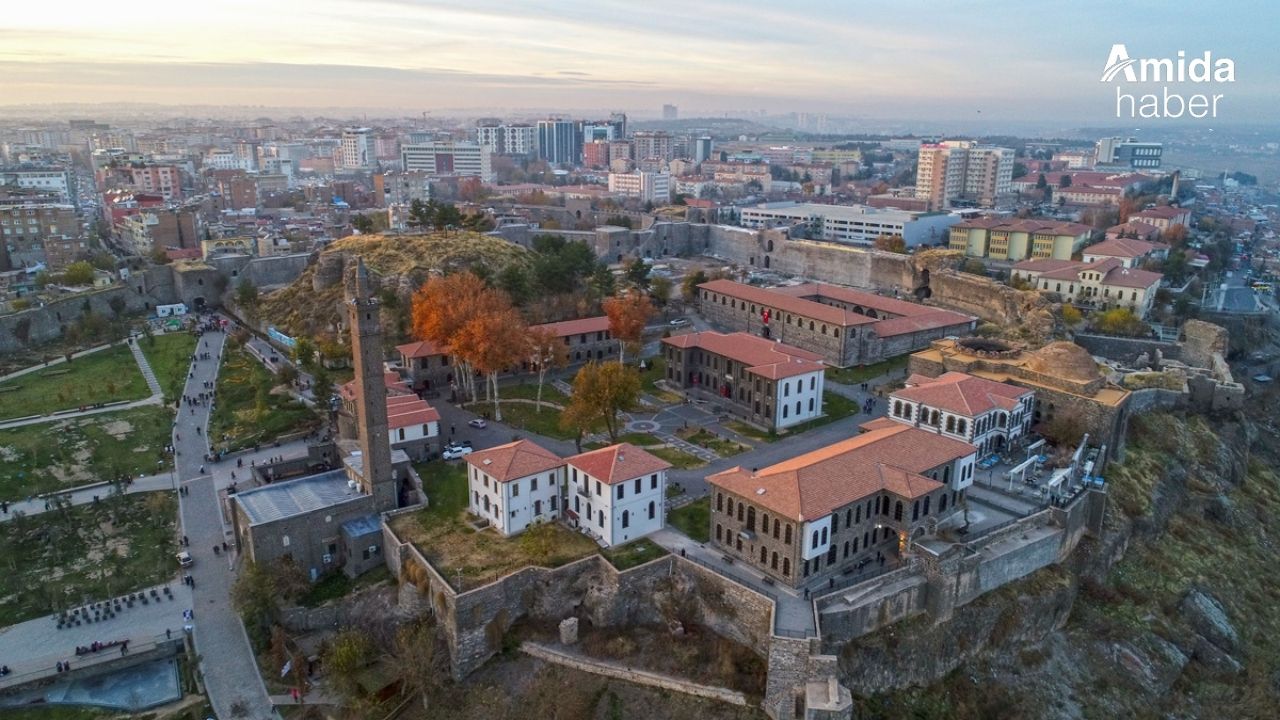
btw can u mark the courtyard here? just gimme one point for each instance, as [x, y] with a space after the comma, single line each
[110, 375]
[250, 409]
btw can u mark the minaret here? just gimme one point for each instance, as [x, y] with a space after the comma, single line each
[371, 390]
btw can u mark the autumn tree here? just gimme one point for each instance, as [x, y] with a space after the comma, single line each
[660, 290]
[689, 286]
[1175, 236]
[545, 352]
[600, 392]
[892, 243]
[492, 341]
[628, 312]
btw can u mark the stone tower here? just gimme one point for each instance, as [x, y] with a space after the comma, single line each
[371, 390]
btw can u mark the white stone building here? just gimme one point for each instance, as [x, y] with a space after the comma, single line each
[514, 486]
[616, 494]
[984, 413]
[1103, 285]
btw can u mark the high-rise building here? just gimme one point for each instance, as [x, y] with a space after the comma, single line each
[507, 139]
[1128, 153]
[357, 151]
[448, 158]
[647, 186]
[961, 172]
[619, 123]
[595, 154]
[702, 148]
[652, 144]
[163, 180]
[558, 142]
[27, 228]
[401, 188]
[670, 112]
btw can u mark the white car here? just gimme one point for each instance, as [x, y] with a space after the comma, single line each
[478, 423]
[454, 452]
[679, 322]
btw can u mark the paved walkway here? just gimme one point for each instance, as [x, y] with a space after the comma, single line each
[56, 361]
[226, 660]
[147, 373]
[85, 494]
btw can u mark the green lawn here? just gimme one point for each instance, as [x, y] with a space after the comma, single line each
[857, 375]
[170, 358]
[707, 439]
[527, 417]
[835, 407]
[639, 439]
[105, 376]
[678, 458]
[446, 486]
[36, 459]
[693, 519]
[650, 376]
[750, 431]
[66, 557]
[247, 412]
[529, 391]
[636, 552]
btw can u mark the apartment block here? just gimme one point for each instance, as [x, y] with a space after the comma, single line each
[654, 187]
[963, 173]
[448, 158]
[1000, 239]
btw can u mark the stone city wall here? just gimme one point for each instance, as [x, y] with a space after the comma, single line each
[1126, 350]
[639, 677]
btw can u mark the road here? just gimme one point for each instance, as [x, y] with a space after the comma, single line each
[226, 659]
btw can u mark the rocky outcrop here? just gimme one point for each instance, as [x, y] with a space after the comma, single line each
[1209, 619]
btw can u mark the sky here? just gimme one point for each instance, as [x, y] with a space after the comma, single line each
[943, 60]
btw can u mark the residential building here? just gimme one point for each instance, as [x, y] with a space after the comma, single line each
[1163, 216]
[557, 142]
[448, 158]
[767, 383]
[1087, 196]
[1103, 284]
[1129, 153]
[1134, 230]
[413, 426]
[162, 180]
[514, 486]
[1076, 159]
[508, 139]
[654, 187]
[702, 149]
[851, 224]
[619, 150]
[670, 112]
[963, 173]
[221, 159]
[820, 515]
[595, 154]
[987, 414]
[584, 339]
[54, 180]
[1002, 239]
[1131, 253]
[426, 367]
[357, 151]
[29, 230]
[845, 327]
[617, 493]
[401, 188]
[653, 144]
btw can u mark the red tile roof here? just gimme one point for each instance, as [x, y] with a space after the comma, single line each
[618, 463]
[811, 486]
[962, 394]
[1124, 247]
[1163, 212]
[420, 349]
[1114, 272]
[395, 386]
[576, 327]
[1144, 230]
[771, 298]
[918, 323]
[1033, 226]
[513, 461]
[762, 357]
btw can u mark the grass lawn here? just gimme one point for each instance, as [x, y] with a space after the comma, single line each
[89, 552]
[105, 376]
[750, 431]
[636, 552]
[835, 407]
[446, 486]
[649, 378]
[857, 375]
[36, 459]
[527, 417]
[639, 439]
[247, 412]
[170, 358]
[693, 519]
[703, 437]
[471, 558]
[529, 391]
[677, 458]
[336, 584]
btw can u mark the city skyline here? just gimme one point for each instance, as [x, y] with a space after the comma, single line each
[961, 62]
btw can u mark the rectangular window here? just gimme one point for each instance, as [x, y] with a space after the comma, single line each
[515, 488]
[653, 482]
[621, 490]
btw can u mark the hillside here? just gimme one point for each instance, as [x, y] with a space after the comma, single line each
[399, 263]
[1175, 612]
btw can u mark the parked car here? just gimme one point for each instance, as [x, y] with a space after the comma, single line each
[679, 322]
[453, 452]
[184, 559]
[479, 423]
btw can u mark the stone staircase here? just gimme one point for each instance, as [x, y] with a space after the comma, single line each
[147, 373]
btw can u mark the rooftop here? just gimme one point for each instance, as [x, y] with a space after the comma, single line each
[512, 461]
[618, 463]
[961, 393]
[1126, 247]
[576, 327]
[281, 500]
[419, 349]
[812, 485]
[1114, 273]
[768, 359]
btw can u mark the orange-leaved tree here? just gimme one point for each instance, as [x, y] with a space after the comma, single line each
[492, 341]
[628, 312]
[545, 352]
[444, 305]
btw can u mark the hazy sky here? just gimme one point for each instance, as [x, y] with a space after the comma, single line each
[942, 60]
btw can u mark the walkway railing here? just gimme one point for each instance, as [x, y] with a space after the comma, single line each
[80, 663]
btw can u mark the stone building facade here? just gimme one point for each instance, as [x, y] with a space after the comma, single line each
[769, 384]
[817, 516]
[846, 327]
[984, 413]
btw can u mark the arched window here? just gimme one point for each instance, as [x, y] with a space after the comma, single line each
[857, 514]
[720, 502]
[601, 516]
[740, 511]
[751, 519]
[897, 408]
[788, 539]
[897, 511]
[846, 548]
[626, 518]
[810, 325]
[773, 562]
[814, 542]
[776, 523]
[719, 531]
[848, 517]
[824, 536]
[926, 506]
[951, 423]
[961, 426]
[729, 507]
[786, 567]
[764, 555]
[915, 510]
[764, 523]
[946, 475]
[835, 523]
[942, 504]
